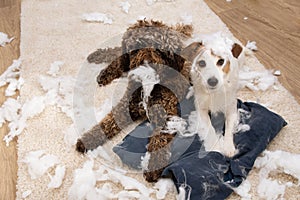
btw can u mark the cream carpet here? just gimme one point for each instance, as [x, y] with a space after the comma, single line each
[54, 31]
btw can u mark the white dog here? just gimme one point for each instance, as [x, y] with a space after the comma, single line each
[214, 72]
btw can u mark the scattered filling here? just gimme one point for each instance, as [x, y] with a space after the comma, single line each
[125, 6]
[251, 44]
[4, 39]
[98, 17]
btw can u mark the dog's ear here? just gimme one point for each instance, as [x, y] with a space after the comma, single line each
[191, 51]
[236, 50]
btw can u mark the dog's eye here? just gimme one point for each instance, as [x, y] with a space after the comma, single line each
[202, 63]
[220, 62]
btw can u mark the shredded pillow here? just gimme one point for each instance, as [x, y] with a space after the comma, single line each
[200, 174]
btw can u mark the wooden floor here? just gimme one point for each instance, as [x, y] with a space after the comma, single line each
[9, 24]
[274, 25]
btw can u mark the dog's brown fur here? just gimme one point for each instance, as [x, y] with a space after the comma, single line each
[161, 48]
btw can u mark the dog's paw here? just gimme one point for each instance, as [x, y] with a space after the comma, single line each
[229, 150]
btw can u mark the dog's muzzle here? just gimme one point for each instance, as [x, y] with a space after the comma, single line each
[212, 82]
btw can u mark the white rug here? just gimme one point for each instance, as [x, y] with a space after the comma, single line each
[54, 31]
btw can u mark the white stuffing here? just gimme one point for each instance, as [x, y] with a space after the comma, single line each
[125, 6]
[9, 111]
[129, 183]
[145, 161]
[98, 17]
[190, 93]
[26, 194]
[148, 77]
[28, 110]
[84, 182]
[245, 18]
[55, 67]
[4, 39]
[270, 189]
[12, 77]
[163, 186]
[251, 45]
[100, 152]
[242, 128]
[38, 163]
[182, 193]
[56, 180]
[175, 124]
[61, 91]
[276, 161]
[71, 135]
[277, 73]
[151, 2]
[218, 43]
[193, 123]
[228, 0]
[186, 19]
[140, 17]
[256, 80]
[243, 190]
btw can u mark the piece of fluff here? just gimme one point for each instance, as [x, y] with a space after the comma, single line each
[251, 45]
[9, 111]
[279, 160]
[98, 17]
[243, 190]
[12, 77]
[55, 67]
[176, 124]
[56, 180]
[28, 110]
[145, 161]
[4, 39]
[26, 194]
[276, 161]
[129, 183]
[84, 182]
[256, 80]
[163, 186]
[218, 43]
[186, 19]
[270, 189]
[38, 163]
[151, 2]
[125, 6]
[277, 73]
[148, 77]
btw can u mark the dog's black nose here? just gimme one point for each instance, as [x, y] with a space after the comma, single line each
[212, 81]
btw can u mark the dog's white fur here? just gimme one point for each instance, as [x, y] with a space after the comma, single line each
[216, 96]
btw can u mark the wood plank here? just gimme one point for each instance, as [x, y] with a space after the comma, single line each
[275, 26]
[9, 24]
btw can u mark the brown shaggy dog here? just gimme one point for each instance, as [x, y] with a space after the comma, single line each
[158, 46]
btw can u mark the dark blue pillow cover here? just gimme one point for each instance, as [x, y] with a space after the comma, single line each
[207, 175]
